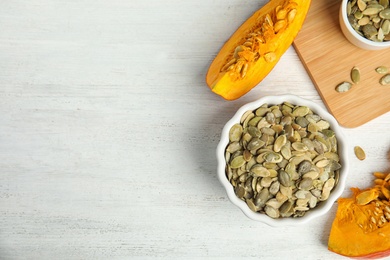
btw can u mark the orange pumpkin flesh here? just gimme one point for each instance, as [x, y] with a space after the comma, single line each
[361, 228]
[257, 46]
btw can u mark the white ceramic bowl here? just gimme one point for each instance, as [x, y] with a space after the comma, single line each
[323, 207]
[353, 36]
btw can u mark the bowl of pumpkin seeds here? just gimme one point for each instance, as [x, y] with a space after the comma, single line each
[282, 160]
[366, 23]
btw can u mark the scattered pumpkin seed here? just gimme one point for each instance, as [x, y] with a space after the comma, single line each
[385, 80]
[359, 152]
[382, 69]
[355, 75]
[343, 87]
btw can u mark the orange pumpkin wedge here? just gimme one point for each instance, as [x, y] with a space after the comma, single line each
[361, 228]
[256, 47]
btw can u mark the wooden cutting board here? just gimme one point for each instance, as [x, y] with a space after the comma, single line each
[329, 57]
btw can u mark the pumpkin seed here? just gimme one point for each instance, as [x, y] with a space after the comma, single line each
[384, 3]
[323, 163]
[247, 155]
[343, 87]
[261, 198]
[302, 121]
[385, 80]
[252, 205]
[284, 178]
[286, 152]
[372, 10]
[382, 69]
[233, 147]
[359, 152]
[361, 4]
[274, 203]
[300, 111]
[355, 75]
[240, 191]
[385, 14]
[271, 212]
[259, 171]
[328, 186]
[270, 57]
[273, 157]
[291, 15]
[286, 209]
[364, 20]
[358, 15]
[281, 14]
[255, 143]
[306, 183]
[380, 35]
[237, 162]
[304, 167]
[298, 146]
[386, 27]
[322, 125]
[366, 197]
[274, 188]
[311, 174]
[235, 133]
[369, 31]
[279, 143]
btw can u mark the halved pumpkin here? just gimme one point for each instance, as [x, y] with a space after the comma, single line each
[361, 228]
[255, 48]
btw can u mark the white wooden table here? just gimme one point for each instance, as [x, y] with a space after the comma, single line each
[108, 134]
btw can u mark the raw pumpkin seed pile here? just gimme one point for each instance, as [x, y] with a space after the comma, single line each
[371, 19]
[282, 160]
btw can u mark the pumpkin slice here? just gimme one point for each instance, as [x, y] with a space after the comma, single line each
[361, 228]
[255, 48]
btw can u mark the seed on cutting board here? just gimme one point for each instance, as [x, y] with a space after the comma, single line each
[355, 75]
[343, 87]
[382, 69]
[359, 152]
[385, 80]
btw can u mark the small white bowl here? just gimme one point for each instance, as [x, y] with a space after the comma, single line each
[353, 37]
[323, 207]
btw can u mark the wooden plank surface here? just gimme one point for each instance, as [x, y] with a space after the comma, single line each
[108, 135]
[328, 57]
